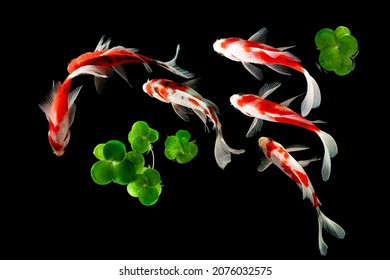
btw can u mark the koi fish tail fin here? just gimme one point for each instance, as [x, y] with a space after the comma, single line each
[313, 95]
[330, 150]
[174, 68]
[222, 151]
[330, 226]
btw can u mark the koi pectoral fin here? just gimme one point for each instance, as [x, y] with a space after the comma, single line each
[305, 163]
[182, 112]
[255, 127]
[255, 71]
[119, 69]
[265, 163]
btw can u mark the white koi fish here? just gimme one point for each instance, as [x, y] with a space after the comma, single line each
[255, 51]
[184, 100]
[275, 153]
[259, 108]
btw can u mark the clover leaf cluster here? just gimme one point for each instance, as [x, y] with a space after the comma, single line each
[117, 165]
[338, 49]
[178, 147]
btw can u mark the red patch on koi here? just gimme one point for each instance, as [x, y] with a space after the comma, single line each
[194, 101]
[228, 41]
[315, 199]
[149, 88]
[246, 99]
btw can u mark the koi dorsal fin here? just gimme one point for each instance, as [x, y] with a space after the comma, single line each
[260, 36]
[296, 148]
[267, 89]
[287, 102]
[103, 45]
[306, 162]
[71, 103]
[193, 83]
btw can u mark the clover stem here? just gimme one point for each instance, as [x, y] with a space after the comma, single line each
[151, 150]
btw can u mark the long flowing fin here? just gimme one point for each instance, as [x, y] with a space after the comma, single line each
[47, 103]
[279, 68]
[254, 70]
[255, 127]
[72, 105]
[222, 151]
[120, 70]
[330, 151]
[203, 117]
[313, 95]
[94, 70]
[182, 111]
[267, 89]
[306, 162]
[286, 48]
[260, 36]
[193, 83]
[103, 45]
[264, 164]
[330, 226]
[174, 68]
[296, 148]
[287, 102]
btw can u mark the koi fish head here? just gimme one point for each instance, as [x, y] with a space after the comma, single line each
[235, 101]
[154, 89]
[59, 137]
[217, 46]
[223, 47]
[263, 141]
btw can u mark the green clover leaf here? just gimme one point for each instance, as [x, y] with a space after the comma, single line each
[141, 136]
[146, 186]
[178, 147]
[338, 49]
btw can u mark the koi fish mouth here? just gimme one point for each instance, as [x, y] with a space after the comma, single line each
[59, 148]
[217, 47]
[233, 99]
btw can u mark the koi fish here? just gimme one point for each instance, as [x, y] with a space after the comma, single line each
[114, 58]
[261, 109]
[275, 153]
[255, 51]
[60, 108]
[184, 100]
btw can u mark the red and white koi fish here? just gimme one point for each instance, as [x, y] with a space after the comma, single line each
[60, 108]
[185, 100]
[257, 107]
[114, 58]
[255, 51]
[276, 154]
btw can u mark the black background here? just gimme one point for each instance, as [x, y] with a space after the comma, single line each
[51, 208]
